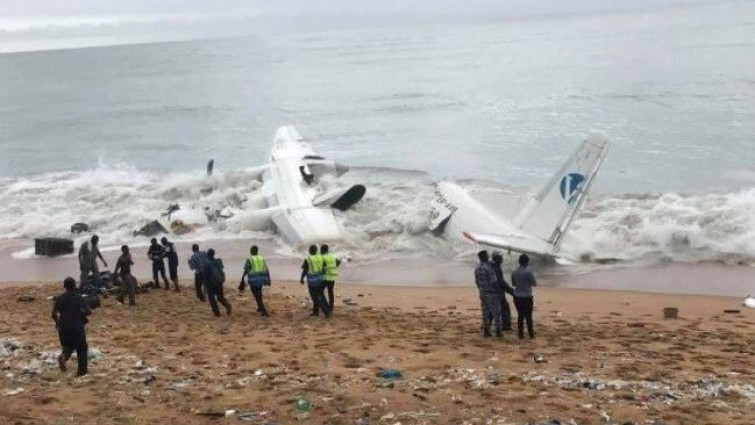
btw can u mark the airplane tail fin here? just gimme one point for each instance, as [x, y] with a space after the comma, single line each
[552, 211]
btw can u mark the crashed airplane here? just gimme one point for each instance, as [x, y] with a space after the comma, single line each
[521, 223]
[300, 210]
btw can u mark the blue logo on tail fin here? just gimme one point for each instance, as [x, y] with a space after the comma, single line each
[570, 184]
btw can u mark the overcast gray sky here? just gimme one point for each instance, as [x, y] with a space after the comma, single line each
[37, 24]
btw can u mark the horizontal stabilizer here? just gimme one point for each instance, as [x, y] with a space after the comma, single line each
[341, 199]
[351, 197]
[514, 243]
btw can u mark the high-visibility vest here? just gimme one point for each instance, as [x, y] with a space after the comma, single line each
[331, 267]
[257, 264]
[315, 264]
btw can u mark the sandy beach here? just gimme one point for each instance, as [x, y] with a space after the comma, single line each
[599, 357]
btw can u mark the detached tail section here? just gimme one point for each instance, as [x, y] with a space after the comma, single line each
[540, 225]
[549, 215]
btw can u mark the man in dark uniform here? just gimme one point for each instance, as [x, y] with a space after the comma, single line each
[156, 253]
[257, 275]
[123, 271]
[503, 289]
[490, 302]
[313, 270]
[198, 262]
[215, 277]
[172, 256]
[70, 315]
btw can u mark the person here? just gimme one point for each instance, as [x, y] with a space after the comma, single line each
[70, 315]
[523, 281]
[89, 251]
[503, 289]
[172, 256]
[214, 279]
[198, 262]
[312, 268]
[257, 275]
[490, 302]
[330, 265]
[156, 253]
[123, 271]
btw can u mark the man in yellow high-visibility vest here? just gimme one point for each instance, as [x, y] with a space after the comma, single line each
[331, 264]
[313, 270]
[257, 275]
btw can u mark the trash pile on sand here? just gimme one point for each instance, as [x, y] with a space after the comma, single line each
[646, 391]
[19, 363]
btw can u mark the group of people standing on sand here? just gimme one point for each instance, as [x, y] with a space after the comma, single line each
[493, 288]
[89, 253]
[70, 311]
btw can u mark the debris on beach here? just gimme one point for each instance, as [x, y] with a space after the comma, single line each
[150, 229]
[12, 392]
[302, 404]
[670, 313]
[391, 374]
[79, 228]
[9, 347]
[178, 227]
[666, 392]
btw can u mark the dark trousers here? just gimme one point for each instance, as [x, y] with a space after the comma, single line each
[490, 306]
[524, 306]
[199, 286]
[159, 267]
[505, 314]
[75, 340]
[173, 270]
[128, 288]
[215, 295]
[317, 293]
[329, 284]
[89, 268]
[257, 292]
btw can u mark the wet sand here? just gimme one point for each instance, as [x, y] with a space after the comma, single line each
[669, 278]
[605, 357]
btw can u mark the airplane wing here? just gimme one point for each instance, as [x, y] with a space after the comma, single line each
[517, 243]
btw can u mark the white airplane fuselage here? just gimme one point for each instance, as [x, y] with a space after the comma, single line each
[290, 196]
[471, 216]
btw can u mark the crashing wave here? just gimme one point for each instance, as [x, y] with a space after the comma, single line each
[392, 220]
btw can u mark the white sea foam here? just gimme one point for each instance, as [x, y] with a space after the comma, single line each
[116, 199]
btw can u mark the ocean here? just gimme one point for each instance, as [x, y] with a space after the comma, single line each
[112, 135]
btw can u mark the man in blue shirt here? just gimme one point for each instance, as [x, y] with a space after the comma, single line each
[523, 280]
[199, 261]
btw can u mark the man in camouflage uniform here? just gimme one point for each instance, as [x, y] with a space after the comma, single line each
[490, 298]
